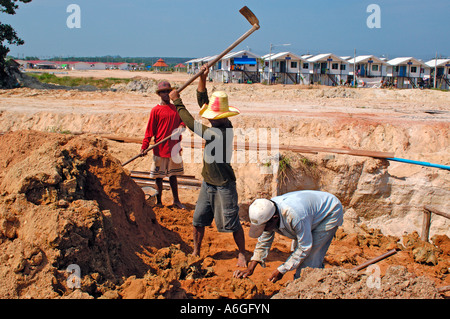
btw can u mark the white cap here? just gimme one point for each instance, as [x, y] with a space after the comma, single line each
[259, 212]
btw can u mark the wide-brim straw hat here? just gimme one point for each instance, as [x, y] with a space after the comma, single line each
[218, 107]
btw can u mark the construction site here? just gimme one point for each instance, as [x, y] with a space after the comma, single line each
[66, 199]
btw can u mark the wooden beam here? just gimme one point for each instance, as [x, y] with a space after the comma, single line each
[426, 225]
[437, 212]
[253, 146]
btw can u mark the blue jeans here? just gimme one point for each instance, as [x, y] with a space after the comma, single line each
[219, 203]
[321, 242]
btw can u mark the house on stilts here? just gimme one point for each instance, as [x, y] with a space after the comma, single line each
[237, 67]
[440, 67]
[368, 69]
[407, 72]
[283, 67]
[328, 69]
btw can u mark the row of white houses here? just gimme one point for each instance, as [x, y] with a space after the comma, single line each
[76, 65]
[328, 69]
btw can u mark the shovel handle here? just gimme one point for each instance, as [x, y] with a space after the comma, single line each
[220, 56]
[178, 131]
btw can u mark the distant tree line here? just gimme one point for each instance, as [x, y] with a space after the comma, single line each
[171, 61]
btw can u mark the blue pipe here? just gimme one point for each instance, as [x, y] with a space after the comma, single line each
[418, 163]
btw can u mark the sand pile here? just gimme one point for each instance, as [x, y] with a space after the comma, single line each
[337, 283]
[138, 85]
[64, 200]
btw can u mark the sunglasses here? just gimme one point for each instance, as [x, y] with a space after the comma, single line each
[165, 91]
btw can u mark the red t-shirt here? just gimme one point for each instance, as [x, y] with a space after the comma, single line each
[164, 119]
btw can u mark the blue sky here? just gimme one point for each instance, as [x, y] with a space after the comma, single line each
[197, 28]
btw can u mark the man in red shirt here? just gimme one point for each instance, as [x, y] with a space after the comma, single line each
[167, 160]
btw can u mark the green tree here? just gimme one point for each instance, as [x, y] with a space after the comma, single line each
[8, 36]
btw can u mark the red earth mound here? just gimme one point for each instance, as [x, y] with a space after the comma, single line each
[65, 200]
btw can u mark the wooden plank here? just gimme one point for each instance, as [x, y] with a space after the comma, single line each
[426, 225]
[253, 146]
[437, 212]
[147, 175]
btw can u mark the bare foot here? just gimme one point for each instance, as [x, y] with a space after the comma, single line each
[179, 205]
[242, 261]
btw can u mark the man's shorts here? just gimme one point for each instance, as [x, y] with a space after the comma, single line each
[165, 166]
[219, 203]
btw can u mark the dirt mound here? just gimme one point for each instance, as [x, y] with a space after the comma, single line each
[421, 258]
[168, 266]
[64, 200]
[139, 85]
[334, 283]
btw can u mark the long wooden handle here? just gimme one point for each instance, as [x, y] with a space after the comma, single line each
[220, 56]
[151, 147]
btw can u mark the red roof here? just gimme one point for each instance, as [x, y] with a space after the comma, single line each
[160, 63]
[180, 65]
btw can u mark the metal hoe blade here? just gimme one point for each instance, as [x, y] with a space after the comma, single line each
[249, 15]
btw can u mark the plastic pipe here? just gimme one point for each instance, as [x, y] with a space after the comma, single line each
[418, 163]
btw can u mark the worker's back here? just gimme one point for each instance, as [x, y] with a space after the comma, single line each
[314, 206]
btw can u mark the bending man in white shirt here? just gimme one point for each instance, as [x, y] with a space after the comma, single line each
[310, 218]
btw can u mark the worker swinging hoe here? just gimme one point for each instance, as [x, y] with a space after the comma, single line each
[253, 20]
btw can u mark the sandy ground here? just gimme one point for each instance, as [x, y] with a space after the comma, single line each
[411, 123]
[120, 74]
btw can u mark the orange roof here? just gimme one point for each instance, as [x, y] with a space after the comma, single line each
[160, 62]
[180, 65]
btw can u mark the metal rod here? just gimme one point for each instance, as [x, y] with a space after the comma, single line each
[375, 260]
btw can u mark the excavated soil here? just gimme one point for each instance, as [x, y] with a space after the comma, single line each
[337, 283]
[65, 200]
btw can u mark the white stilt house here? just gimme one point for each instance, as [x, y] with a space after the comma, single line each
[407, 72]
[237, 67]
[369, 70]
[440, 73]
[194, 65]
[328, 69]
[284, 67]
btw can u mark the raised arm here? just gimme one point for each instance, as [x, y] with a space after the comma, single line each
[202, 94]
[202, 79]
[197, 127]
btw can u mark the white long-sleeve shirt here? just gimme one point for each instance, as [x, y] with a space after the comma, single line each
[301, 212]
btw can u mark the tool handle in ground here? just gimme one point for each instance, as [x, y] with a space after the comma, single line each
[248, 14]
[176, 132]
[375, 260]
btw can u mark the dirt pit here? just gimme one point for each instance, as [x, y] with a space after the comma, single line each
[64, 200]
